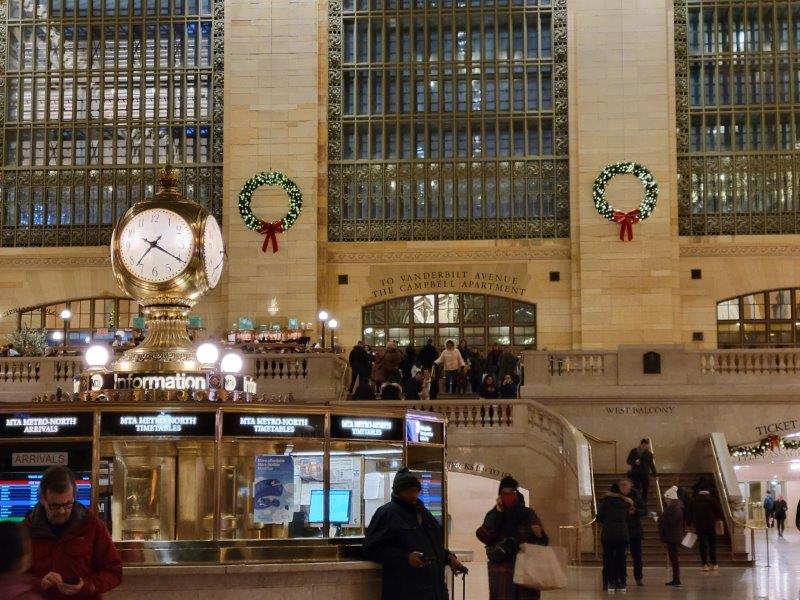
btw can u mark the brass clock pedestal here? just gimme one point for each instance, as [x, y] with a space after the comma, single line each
[166, 348]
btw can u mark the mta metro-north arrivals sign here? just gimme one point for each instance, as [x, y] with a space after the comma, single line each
[21, 425]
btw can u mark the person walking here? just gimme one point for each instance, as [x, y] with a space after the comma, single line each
[769, 506]
[452, 363]
[427, 355]
[73, 554]
[407, 540]
[407, 365]
[671, 531]
[642, 465]
[507, 525]
[781, 509]
[703, 512]
[15, 559]
[360, 365]
[635, 531]
[612, 513]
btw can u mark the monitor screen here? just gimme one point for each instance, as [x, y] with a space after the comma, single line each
[19, 493]
[431, 493]
[338, 503]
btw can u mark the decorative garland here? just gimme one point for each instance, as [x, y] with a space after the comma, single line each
[770, 443]
[270, 230]
[625, 219]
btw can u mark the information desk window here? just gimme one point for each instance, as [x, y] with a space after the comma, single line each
[361, 475]
[158, 490]
[270, 488]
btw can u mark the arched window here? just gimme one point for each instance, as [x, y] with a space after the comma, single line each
[447, 119]
[91, 320]
[738, 116]
[479, 319]
[767, 319]
[93, 96]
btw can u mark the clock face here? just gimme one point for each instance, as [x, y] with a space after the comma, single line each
[156, 245]
[213, 251]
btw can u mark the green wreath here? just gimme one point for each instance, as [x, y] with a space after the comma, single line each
[270, 229]
[625, 219]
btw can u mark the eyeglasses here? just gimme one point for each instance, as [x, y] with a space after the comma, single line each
[60, 505]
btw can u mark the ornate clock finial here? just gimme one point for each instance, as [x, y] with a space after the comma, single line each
[168, 180]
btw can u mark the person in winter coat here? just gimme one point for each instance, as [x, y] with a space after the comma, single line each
[612, 513]
[390, 365]
[508, 389]
[703, 512]
[506, 364]
[73, 554]
[769, 508]
[452, 364]
[464, 349]
[409, 360]
[427, 355]
[780, 509]
[407, 540]
[642, 465]
[360, 365]
[671, 530]
[635, 531]
[477, 366]
[489, 388]
[15, 559]
[492, 360]
[509, 524]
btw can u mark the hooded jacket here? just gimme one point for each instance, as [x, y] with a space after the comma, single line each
[397, 529]
[613, 512]
[84, 549]
[515, 522]
[704, 511]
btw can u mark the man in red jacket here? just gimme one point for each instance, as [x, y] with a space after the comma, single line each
[73, 554]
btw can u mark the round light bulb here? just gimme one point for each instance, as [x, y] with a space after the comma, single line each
[207, 353]
[231, 363]
[369, 330]
[97, 356]
[323, 315]
[333, 323]
[66, 314]
[57, 335]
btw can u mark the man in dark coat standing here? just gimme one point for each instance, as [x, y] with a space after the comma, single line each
[635, 531]
[642, 465]
[703, 512]
[408, 541]
[360, 365]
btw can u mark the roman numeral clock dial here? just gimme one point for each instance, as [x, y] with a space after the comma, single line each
[156, 245]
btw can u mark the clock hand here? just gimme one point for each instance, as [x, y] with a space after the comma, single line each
[146, 251]
[157, 247]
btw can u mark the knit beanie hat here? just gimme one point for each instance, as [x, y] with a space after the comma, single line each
[404, 480]
[671, 493]
[508, 482]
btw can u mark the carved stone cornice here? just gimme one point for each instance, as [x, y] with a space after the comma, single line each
[439, 254]
[733, 250]
[39, 262]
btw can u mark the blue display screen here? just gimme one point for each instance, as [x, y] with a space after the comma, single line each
[338, 506]
[19, 493]
[432, 492]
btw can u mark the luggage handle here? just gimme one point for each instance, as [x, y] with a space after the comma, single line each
[453, 577]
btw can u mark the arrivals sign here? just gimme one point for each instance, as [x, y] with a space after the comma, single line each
[157, 424]
[20, 425]
[267, 425]
[367, 428]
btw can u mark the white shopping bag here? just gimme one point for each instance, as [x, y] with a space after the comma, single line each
[690, 539]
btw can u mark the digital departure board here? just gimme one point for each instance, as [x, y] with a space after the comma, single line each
[19, 493]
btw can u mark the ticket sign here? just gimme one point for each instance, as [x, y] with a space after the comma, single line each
[23, 425]
[267, 425]
[420, 431]
[367, 428]
[158, 424]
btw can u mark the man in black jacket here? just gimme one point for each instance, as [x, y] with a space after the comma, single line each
[642, 465]
[635, 532]
[406, 539]
[360, 365]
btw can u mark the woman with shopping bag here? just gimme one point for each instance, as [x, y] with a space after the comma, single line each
[508, 525]
[671, 532]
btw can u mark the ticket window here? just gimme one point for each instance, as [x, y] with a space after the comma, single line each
[271, 489]
[361, 476]
[159, 490]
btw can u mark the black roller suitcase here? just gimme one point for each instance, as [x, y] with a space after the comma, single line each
[453, 579]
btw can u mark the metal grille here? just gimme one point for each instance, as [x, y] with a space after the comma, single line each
[447, 119]
[738, 116]
[95, 96]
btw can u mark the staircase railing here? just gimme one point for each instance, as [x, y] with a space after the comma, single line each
[592, 523]
[597, 440]
[730, 518]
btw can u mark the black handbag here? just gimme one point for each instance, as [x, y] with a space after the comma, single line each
[502, 551]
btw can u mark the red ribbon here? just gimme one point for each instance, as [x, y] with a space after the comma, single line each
[270, 232]
[626, 221]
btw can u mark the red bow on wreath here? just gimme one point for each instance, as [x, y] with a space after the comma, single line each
[774, 442]
[626, 221]
[270, 232]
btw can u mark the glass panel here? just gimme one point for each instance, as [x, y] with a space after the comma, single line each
[524, 313]
[475, 336]
[728, 310]
[525, 336]
[447, 305]
[500, 335]
[400, 335]
[755, 334]
[399, 311]
[781, 334]
[375, 337]
[474, 308]
[780, 304]
[729, 335]
[448, 334]
[422, 335]
[375, 314]
[499, 310]
[753, 306]
[423, 309]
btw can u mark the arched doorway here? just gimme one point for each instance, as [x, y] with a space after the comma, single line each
[480, 319]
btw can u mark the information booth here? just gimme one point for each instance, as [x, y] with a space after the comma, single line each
[193, 483]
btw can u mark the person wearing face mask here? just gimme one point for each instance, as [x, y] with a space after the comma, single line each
[509, 524]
